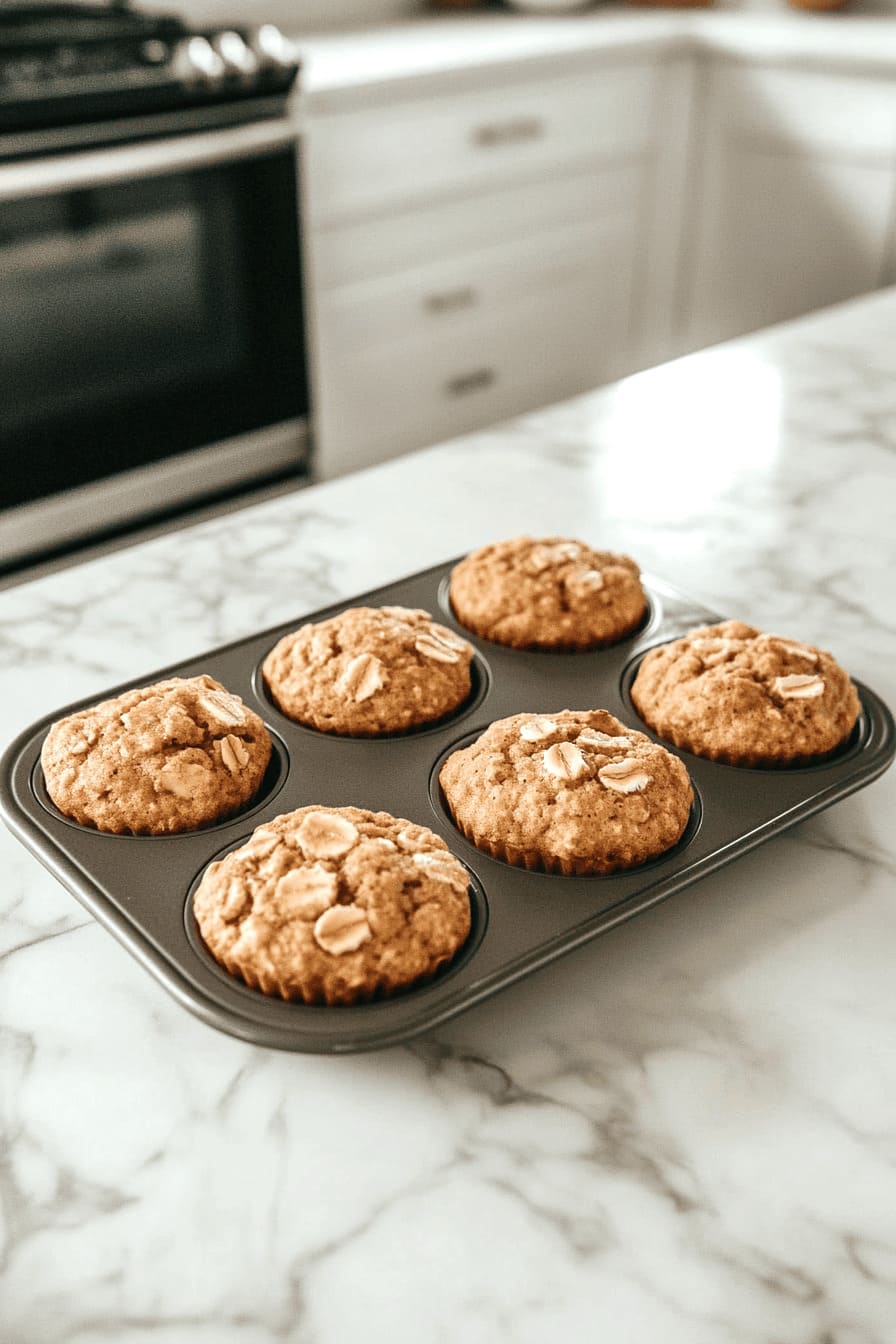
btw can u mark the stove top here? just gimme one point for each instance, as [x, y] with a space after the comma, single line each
[42, 24]
[64, 64]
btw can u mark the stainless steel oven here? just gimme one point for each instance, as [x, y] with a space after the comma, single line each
[151, 320]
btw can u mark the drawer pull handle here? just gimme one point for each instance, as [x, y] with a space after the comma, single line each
[450, 299]
[474, 381]
[508, 132]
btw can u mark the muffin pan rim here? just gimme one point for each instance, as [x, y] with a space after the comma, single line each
[858, 737]
[480, 678]
[479, 912]
[262, 796]
[650, 621]
[442, 810]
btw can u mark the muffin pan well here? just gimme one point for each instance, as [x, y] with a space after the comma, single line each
[140, 887]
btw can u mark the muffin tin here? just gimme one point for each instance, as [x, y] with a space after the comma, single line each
[140, 887]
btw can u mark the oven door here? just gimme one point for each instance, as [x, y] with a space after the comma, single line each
[152, 327]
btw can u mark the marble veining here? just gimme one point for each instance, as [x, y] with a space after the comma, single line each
[683, 1132]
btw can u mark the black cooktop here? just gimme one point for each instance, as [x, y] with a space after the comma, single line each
[41, 26]
[63, 64]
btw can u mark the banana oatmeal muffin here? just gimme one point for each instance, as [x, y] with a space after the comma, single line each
[567, 792]
[157, 760]
[553, 593]
[736, 695]
[334, 905]
[369, 670]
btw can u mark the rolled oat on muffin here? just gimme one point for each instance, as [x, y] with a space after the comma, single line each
[553, 593]
[736, 695]
[170, 757]
[335, 905]
[571, 792]
[368, 671]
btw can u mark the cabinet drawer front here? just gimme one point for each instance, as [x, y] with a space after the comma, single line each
[808, 110]
[405, 239]
[409, 151]
[436, 300]
[389, 399]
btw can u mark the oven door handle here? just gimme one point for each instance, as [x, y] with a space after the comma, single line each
[152, 158]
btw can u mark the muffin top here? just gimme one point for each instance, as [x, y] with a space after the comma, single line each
[164, 758]
[571, 791]
[553, 593]
[334, 904]
[736, 695]
[369, 670]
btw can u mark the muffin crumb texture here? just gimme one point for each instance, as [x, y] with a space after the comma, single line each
[170, 757]
[571, 792]
[368, 671]
[335, 905]
[554, 593]
[736, 695]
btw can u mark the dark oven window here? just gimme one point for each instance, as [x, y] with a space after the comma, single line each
[143, 319]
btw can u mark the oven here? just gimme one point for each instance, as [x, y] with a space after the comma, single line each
[152, 348]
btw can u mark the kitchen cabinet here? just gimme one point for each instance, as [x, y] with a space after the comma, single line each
[497, 240]
[471, 341]
[475, 254]
[416, 149]
[794, 195]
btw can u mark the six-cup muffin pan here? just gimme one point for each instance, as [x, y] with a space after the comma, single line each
[140, 887]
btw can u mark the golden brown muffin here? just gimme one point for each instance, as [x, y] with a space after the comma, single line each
[157, 760]
[369, 670]
[736, 695]
[567, 792]
[553, 593]
[334, 905]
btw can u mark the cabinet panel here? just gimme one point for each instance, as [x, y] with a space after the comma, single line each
[414, 150]
[785, 224]
[446, 296]
[405, 239]
[549, 338]
[807, 109]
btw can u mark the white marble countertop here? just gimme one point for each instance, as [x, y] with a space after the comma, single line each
[683, 1132]
[410, 55]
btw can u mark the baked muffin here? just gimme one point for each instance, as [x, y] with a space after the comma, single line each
[567, 792]
[334, 905]
[549, 594]
[157, 760]
[734, 694]
[369, 670]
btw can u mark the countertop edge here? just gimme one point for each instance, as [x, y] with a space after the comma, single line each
[406, 60]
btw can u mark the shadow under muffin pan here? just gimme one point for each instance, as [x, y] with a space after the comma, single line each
[139, 887]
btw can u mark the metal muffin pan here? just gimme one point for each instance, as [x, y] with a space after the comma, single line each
[140, 887]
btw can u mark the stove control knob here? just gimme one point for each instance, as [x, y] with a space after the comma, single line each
[66, 59]
[154, 51]
[274, 51]
[195, 61]
[238, 57]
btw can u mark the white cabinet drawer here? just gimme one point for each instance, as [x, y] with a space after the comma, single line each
[538, 346]
[434, 301]
[807, 110]
[405, 239]
[414, 150]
